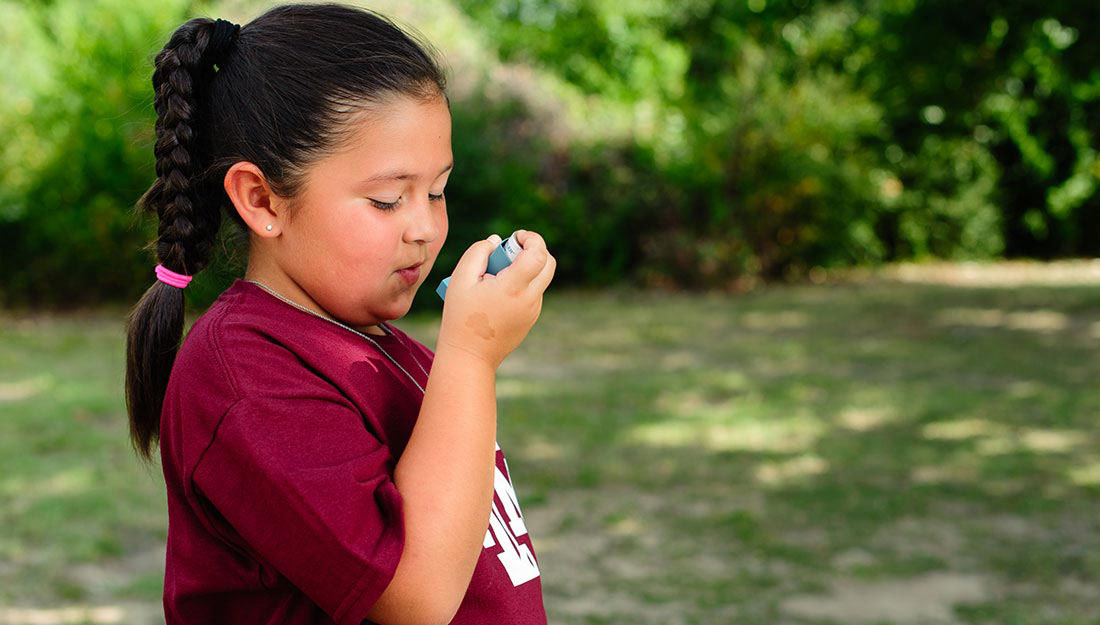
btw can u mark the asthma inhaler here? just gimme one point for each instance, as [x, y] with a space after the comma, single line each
[501, 257]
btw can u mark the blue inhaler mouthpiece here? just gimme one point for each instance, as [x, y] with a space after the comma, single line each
[501, 257]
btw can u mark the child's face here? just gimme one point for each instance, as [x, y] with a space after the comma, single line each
[341, 248]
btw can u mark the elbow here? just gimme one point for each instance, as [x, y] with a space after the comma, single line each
[440, 609]
[419, 613]
[407, 603]
[447, 612]
[433, 614]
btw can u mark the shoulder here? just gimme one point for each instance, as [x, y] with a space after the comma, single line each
[198, 370]
[241, 346]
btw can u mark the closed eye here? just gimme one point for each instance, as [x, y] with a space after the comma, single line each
[389, 206]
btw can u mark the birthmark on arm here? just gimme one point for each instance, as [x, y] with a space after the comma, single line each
[479, 324]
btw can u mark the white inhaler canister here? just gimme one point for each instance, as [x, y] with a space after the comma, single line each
[501, 257]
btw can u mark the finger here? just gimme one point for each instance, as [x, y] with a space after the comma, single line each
[527, 264]
[542, 280]
[532, 245]
[475, 260]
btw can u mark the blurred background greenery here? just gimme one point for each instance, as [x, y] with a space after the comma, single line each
[686, 143]
[839, 418]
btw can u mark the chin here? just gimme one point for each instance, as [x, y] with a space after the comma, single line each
[399, 308]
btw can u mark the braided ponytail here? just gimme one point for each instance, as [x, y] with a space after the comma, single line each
[189, 219]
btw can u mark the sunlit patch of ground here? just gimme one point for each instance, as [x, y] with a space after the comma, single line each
[998, 274]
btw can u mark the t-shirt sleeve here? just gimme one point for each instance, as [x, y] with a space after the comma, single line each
[310, 490]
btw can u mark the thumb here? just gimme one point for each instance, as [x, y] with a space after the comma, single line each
[475, 260]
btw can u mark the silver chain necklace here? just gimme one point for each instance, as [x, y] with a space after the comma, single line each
[374, 342]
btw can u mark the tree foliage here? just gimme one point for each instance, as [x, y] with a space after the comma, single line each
[706, 143]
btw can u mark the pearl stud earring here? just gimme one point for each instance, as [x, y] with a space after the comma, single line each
[269, 227]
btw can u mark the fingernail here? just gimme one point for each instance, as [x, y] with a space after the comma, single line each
[495, 238]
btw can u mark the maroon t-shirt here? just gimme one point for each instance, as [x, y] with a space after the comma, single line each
[279, 436]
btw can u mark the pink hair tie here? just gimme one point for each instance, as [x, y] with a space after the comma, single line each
[168, 276]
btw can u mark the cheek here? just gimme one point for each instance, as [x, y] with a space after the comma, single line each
[441, 227]
[369, 245]
[444, 226]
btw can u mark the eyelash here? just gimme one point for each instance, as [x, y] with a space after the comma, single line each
[392, 206]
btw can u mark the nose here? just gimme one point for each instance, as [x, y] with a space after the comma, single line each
[423, 225]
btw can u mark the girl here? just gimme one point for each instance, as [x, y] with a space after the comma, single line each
[316, 471]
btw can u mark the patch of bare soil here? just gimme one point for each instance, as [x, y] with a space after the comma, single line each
[99, 581]
[1006, 273]
[927, 599]
[129, 612]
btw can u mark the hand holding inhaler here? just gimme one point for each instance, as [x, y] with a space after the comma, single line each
[489, 313]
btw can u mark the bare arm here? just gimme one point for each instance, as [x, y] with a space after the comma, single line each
[445, 474]
[445, 477]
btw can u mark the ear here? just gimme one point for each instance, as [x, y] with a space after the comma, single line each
[254, 200]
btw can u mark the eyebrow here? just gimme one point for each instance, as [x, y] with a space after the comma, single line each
[402, 175]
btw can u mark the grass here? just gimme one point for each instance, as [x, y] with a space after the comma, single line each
[759, 458]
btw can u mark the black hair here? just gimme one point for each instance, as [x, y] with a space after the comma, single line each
[282, 96]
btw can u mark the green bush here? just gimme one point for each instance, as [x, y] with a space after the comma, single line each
[78, 149]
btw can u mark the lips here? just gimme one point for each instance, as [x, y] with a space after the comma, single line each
[411, 274]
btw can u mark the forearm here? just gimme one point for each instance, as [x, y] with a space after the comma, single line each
[445, 474]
